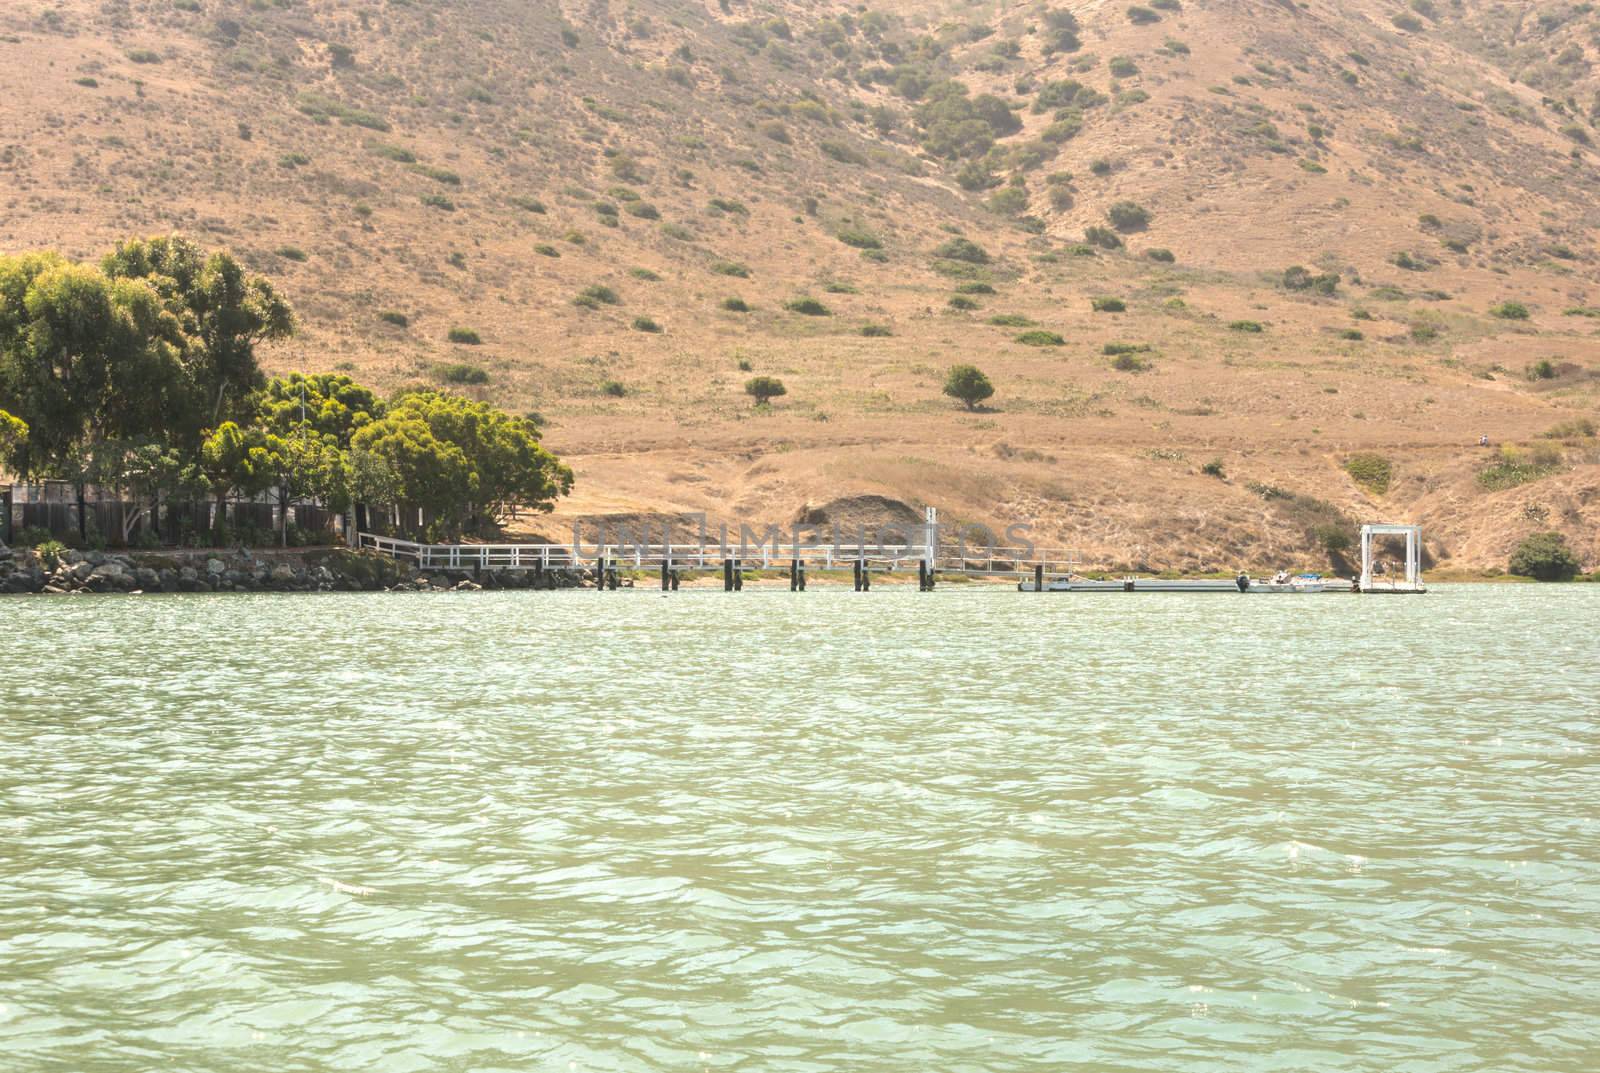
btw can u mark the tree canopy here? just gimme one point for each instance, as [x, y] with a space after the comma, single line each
[141, 373]
[967, 383]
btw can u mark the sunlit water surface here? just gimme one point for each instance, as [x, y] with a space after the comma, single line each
[966, 831]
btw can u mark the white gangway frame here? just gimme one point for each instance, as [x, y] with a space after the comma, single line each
[1413, 535]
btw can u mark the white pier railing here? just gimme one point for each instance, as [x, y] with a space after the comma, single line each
[949, 559]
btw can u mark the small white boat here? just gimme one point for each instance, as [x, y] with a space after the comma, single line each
[1282, 582]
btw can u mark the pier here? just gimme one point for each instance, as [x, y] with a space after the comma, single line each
[1034, 569]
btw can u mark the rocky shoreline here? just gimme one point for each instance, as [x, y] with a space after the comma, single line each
[314, 570]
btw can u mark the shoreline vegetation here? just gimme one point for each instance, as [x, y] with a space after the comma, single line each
[139, 375]
[68, 571]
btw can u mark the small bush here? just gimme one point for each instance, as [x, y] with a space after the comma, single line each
[50, 553]
[1370, 471]
[544, 249]
[1129, 363]
[392, 152]
[1142, 16]
[399, 320]
[291, 253]
[809, 307]
[1511, 467]
[1543, 369]
[645, 324]
[764, 389]
[1040, 337]
[1128, 216]
[599, 292]
[735, 305]
[730, 268]
[613, 388]
[875, 330]
[529, 204]
[1113, 349]
[1164, 256]
[1107, 304]
[1409, 23]
[961, 249]
[439, 201]
[1010, 320]
[968, 384]
[1544, 556]
[861, 240]
[974, 288]
[644, 274]
[465, 336]
[962, 302]
[144, 55]
[1580, 428]
[1214, 468]
[462, 373]
[1510, 311]
[438, 175]
[728, 204]
[1103, 237]
[643, 210]
[1353, 334]
[1253, 327]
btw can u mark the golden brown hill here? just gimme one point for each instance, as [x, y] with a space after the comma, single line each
[627, 205]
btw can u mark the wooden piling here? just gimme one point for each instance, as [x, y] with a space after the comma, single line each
[727, 575]
[1038, 578]
[666, 580]
[738, 575]
[794, 575]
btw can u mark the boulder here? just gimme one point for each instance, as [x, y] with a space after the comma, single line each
[215, 567]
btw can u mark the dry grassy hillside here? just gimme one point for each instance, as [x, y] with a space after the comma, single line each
[593, 190]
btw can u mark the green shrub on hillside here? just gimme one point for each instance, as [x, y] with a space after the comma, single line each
[144, 55]
[1544, 556]
[975, 288]
[1371, 471]
[644, 274]
[1107, 304]
[462, 373]
[439, 201]
[1510, 311]
[1579, 428]
[875, 330]
[442, 175]
[1142, 16]
[962, 302]
[735, 305]
[1128, 216]
[807, 306]
[599, 292]
[962, 249]
[645, 324]
[1040, 337]
[1511, 467]
[1164, 256]
[1103, 237]
[1253, 327]
[861, 240]
[730, 268]
[399, 320]
[464, 336]
[392, 152]
[1011, 320]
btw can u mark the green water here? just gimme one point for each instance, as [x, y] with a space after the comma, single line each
[965, 831]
